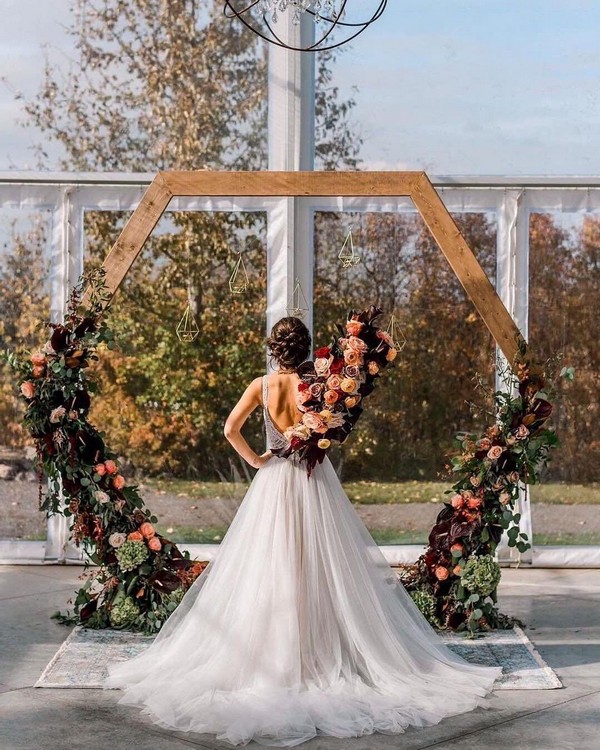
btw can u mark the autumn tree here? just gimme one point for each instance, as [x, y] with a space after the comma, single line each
[158, 85]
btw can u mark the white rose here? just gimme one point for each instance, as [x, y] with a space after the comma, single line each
[322, 365]
[102, 497]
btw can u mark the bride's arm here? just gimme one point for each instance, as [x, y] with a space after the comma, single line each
[251, 398]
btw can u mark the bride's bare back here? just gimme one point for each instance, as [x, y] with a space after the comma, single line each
[282, 392]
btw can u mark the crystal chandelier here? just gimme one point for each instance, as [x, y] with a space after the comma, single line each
[334, 19]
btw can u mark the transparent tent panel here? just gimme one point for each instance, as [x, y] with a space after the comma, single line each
[25, 289]
[564, 317]
[190, 325]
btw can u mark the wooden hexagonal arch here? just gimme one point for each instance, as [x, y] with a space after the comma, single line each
[415, 185]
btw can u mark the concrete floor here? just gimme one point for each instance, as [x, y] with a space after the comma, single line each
[560, 607]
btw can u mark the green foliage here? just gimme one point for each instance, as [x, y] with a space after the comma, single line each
[427, 604]
[131, 555]
[480, 576]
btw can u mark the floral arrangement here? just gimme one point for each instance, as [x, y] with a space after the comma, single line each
[141, 573]
[458, 566]
[332, 388]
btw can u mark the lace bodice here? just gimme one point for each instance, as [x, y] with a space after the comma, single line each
[275, 439]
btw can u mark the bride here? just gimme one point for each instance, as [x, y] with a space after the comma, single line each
[298, 627]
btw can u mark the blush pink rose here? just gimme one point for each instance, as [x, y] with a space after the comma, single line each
[100, 469]
[303, 396]
[28, 389]
[154, 544]
[513, 477]
[111, 467]
[504, 498]
[38, 358]
[334, 382]
[314, 422]
[385, 336]
[118, 482]
[495, 452]
[358, 345]
[474, 480]
[330, 397]
[457, 501]
[354, 327]
[484, 444]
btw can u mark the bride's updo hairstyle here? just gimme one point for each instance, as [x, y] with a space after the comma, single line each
[289, 343]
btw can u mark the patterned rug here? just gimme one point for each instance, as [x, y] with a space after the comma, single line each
[81, 660]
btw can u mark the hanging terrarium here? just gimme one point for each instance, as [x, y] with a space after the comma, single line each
[396, 334]
[238, 281]
[298, 306]
[187, 329]
[348, 255]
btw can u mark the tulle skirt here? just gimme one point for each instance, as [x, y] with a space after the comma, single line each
[298, 628]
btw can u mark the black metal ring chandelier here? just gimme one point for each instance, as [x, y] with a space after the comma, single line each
[260, 16]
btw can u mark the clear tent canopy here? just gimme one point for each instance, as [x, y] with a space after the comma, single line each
[60, 205]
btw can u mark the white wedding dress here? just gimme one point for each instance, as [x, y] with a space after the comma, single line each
[297, 628]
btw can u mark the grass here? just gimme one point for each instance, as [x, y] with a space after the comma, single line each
[375, 493]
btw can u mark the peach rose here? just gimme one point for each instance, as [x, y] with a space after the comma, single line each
[457, 501]
[135, 536]
[513, 477]
[504, 498]
[324, 443]
[330, 397]
[373, 368]
[118, 482]
[322, 365]
[351, 401]
[349, 385]
[147, 530]
[457, 570]
[111, 467]
[354, 327]
[38, 371]
[100, 469]
[38, 358]
[522, 432]
[314, 421]
[473, 502]
[154, 544]
[441, 573]
[484, 444]
[358, 345]
[352, 357]
[333, 382]
[457, 547]
[391, 354]
[28, 389]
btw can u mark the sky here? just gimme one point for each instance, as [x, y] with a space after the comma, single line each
[456, 87]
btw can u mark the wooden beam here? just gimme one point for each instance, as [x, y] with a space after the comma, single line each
[302, 184]
[467, 268]
[286, 184]
[135, 234]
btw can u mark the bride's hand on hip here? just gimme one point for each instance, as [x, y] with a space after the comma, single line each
[262, 459]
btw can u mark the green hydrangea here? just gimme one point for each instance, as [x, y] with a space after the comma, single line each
[426, 602]
[481, 575]
[123, 611]
[131, 554]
